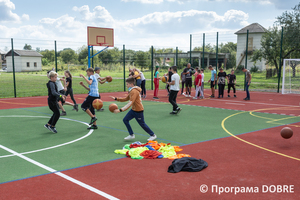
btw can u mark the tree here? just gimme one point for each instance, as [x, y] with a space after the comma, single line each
[270, 47]
[83, 54]
[49, 55]
[27, 47]
[142, 59]
[112, 56]
[271, 40]
[207, 48]
[68, 55]
[231, 48]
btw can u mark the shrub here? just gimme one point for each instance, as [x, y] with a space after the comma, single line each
[254, 69]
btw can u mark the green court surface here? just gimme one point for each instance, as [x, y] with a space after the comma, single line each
[74, 146]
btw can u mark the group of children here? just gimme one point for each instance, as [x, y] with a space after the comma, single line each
[186, 82]
[57, 93]
[221, 80]
[134, 97]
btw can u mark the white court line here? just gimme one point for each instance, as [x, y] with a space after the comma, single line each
[235, 103]
[257, 103]
[47, 148]
[60, 174]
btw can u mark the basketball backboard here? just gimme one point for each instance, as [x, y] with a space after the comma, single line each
[100, 36]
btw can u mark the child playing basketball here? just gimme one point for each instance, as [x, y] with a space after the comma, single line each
[174, 89]
[137, 110]
[62, 90]
[53, 97]
[100, 80]
[87, 105]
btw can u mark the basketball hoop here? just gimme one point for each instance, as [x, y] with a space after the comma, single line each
[100, 36]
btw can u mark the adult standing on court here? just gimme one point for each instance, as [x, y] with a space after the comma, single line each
[212, 80]
[143, 84]
[174, 88]
[188, 72]
[182, 76]
[156, 82]
[202, 85]
[68, 76]
[169, 74]
[248, 81]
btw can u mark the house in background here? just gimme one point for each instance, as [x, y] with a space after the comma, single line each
[2, 59]
[25, 60]
[255, 34]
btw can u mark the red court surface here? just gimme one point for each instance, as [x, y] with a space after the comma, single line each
[257, 161]
[148, 179]
[260, 101]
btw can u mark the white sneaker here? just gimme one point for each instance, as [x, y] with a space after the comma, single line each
[186, 95]
[195, 98]
[189, 96]
[129, 137]
[152, 138]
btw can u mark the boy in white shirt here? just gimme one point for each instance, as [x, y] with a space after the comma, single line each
[174, 88]
[100, 80]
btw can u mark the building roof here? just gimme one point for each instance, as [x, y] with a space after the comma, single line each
[29, 53]
[253, 28]
[2, 52]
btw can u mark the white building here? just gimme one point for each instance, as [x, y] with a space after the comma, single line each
[255, 34]
[25, 60]
[2, 59]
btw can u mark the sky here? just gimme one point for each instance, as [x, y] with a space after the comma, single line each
[137, 24]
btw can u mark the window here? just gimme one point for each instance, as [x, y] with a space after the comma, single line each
[28, 64]
[34, 64]
[250, 44]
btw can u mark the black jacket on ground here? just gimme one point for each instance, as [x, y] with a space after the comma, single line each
[187, 164]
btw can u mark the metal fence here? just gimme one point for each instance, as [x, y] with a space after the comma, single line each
[203, 50]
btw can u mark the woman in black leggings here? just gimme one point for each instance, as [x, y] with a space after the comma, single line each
[69, 88]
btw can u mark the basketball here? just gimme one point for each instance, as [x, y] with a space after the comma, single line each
[108, 78]
[97, 104]
[164, 79]
[286, 132]
[112, 107]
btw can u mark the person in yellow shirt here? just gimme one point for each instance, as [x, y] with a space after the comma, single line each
[137, 110]
[137, 76]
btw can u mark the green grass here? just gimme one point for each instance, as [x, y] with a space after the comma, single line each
[34, 83]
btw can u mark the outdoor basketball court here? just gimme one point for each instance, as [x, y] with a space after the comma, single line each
[240, 141]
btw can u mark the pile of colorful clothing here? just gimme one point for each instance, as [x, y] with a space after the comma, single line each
[151, 150]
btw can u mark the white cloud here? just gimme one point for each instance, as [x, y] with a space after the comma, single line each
[99, 15]
[157, 28]
[280, 4]
[6, 14]
[25, 17]
[157, 1]
[181, 21]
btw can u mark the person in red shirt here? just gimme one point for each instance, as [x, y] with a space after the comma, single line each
[198, 83]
